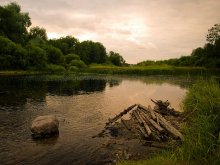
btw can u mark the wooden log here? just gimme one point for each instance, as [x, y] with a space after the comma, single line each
[152, 113]
[137, 117]
[145, 109]
[142, 131]
[149, 132]
[121, 114]
[169, 127]
[125, 124]
[153, 123]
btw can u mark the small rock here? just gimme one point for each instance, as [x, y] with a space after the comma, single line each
[44, 126]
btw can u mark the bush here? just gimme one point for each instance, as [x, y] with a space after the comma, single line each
[37, 57]
[78, 63]
[12, 56]
[70, 57]
[55, 68]
[73, 68]
[54, 55]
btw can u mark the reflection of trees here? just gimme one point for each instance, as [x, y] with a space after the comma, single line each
[113, 82]
[76, 87]
[14, 91]
[182, 82]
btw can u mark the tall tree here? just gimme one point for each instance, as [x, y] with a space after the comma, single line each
[38, 33]
[14, 23]
[213, 34]
[116, 58]
[66, 44]
[91, 52]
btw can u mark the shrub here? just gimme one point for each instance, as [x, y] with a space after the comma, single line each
[54, 55]
[78, 63]
[73, 68]
[55, 68]
[12, 56]
[70, 57]
[37, 57]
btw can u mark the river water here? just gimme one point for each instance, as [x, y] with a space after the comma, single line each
[82, 104]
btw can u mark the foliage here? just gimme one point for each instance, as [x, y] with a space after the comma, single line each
[14, 23]
[116, 58]
[38, 33]
[54, 55]
[70, 57]
[36, 56]
[55, 68]
[66, 44]
[12, 56]
[91, 52]
[78, 63]
[213, 34]
[73, 68]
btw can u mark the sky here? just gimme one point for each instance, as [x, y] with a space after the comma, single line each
[137, 29]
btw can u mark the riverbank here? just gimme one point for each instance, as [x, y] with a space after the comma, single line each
[128, 70]
[150, 70]
[201, 143]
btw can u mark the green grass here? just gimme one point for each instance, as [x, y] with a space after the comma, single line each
[201, 143]
[149, 70]
[125, 70]
[202, 132]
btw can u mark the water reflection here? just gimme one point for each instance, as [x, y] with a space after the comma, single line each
[15, 91]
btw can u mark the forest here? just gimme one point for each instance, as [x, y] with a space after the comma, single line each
[23, 47]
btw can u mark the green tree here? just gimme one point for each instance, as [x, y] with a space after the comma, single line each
[12, 56]
[14, 23]
[38, 33]
[213, 34]
[37, 57]
[70, 57]
[91, 52]
[54, 55]
[66, 44]
[116, 58]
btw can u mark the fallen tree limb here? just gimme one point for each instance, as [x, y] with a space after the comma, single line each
[149, 132]
[169, 127]
[153, 123]
[120, 114]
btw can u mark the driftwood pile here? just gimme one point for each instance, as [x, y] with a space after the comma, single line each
[149, 122]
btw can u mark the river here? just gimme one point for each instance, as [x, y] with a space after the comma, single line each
[82, 104]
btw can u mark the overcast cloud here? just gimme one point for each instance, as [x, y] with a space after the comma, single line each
[137, 29]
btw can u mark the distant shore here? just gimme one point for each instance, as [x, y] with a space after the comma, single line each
[129, 70]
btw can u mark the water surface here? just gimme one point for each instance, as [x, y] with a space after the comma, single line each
[82, 104]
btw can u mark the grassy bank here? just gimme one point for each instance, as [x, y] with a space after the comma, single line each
[201, 143]
[126, 70]
[150, 70]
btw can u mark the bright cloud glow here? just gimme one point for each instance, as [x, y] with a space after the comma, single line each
[52, 35]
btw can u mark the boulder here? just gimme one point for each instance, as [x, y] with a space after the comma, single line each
[45, 126]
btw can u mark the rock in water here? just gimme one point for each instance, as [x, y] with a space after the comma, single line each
[45, 126]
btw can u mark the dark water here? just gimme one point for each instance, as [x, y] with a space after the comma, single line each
[82, 104]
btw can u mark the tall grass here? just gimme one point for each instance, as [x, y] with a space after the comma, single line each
[149, 70]
[202, 131]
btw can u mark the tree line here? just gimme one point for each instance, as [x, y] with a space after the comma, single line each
[25, 47]
[207, 56]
